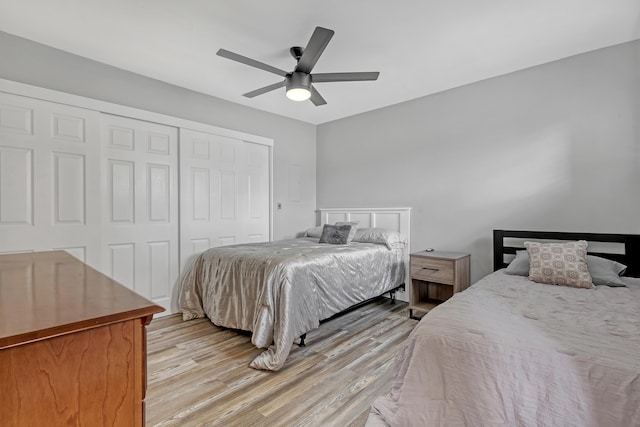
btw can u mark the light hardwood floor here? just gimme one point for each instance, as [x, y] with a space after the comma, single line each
[198, 373]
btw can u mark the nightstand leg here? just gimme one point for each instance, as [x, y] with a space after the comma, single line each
[411, 316]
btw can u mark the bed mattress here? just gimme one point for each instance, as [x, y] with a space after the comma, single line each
[511, 352]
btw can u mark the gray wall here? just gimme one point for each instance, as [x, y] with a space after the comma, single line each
[554, 147]
[295, 142]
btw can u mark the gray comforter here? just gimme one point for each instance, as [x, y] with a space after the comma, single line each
[280, 290]
[511, 352]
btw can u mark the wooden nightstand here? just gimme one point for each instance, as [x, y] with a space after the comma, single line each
[435, 277]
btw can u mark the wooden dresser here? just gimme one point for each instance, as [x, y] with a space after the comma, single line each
[435, 277]
[72, 344]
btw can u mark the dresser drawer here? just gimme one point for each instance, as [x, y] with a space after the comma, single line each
[432, 270]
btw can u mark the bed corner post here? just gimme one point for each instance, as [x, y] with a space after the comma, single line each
[498, 249]
[632, 252]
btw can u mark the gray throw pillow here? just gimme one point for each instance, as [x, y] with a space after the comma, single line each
[354, 228]
[335, 234]
[603, 271]
[520, 264]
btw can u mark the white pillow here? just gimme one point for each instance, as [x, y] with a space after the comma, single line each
[314, 232]
[381, 236]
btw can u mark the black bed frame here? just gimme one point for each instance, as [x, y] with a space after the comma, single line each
[392, 295]
[630, 257]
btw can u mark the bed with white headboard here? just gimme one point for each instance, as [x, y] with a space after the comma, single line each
[283, 289]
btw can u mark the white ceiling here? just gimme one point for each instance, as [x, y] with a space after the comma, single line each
[419, 46]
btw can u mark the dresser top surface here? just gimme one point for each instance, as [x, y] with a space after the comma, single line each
[45, 294]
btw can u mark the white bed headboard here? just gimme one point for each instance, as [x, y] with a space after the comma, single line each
[396, 219]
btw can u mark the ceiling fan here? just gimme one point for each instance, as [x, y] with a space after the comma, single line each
[299, 81]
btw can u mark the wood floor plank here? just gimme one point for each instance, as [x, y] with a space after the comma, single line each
[198, 373]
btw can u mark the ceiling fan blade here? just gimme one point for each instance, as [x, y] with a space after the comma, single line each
[344, 77]
[318, 41]
[316, 98]
[265, 89]
[251, 62]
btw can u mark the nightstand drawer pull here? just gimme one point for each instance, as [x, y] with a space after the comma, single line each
[431, 269]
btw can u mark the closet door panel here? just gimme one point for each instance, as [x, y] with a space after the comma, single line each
[205, 177]
[141, 207]
[224, 190]
[16, 186]
[49, 178]
[258, 192]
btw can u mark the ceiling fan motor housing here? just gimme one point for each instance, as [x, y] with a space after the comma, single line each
[298, 80]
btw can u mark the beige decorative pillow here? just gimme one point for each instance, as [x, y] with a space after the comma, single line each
[562, 264]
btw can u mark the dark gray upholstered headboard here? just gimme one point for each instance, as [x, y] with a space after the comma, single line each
[631, 243]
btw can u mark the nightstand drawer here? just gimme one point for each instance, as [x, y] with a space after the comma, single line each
[432, 270]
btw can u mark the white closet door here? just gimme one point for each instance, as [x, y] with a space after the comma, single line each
[224, 192]
[140, 190]
[257, 218]
[49, 178]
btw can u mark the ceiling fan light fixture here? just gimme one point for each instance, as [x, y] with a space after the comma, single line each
[298, 86]
[298, 94]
